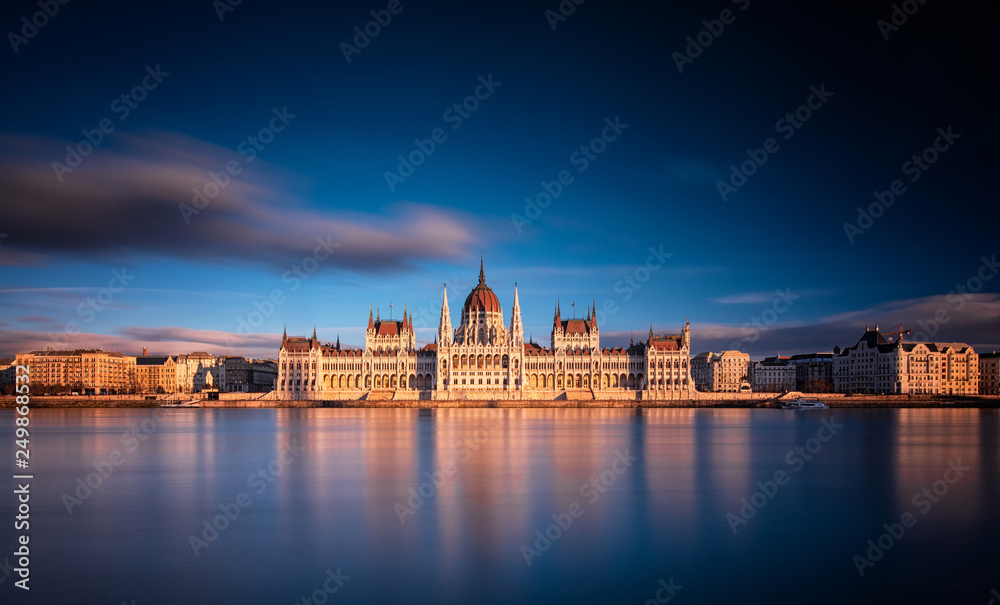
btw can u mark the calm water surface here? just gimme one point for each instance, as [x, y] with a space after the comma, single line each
[642, 496]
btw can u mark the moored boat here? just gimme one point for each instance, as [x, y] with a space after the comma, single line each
[804, 403]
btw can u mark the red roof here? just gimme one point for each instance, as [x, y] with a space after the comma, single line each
[388, 328]
[667, 344]
[297, 344]
[575, 326]
[482, 298]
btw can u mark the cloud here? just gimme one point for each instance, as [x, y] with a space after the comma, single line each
[974, 320]
[159, 341]
[126, 198]
[766, 297]
[748, 298]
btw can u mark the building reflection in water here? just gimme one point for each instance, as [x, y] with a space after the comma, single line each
[926, 440]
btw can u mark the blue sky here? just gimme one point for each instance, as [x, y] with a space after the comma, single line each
[332, 129]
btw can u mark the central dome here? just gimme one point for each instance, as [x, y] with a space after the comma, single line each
[482, 297]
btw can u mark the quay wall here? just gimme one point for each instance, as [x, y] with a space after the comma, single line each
[726, 400]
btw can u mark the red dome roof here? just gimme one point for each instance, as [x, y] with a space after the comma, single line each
[482, 297]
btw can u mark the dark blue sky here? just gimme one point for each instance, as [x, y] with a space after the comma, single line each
[201, 273]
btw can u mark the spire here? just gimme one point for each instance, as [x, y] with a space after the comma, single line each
[284, 336]
[651, 332]
[482, 275]
[314, 333]
[631, 340]
[444, 325]
[338, 342]
[371, 323]
[516, 329]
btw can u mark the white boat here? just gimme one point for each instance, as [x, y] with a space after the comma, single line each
[190, 404]
[804, 403]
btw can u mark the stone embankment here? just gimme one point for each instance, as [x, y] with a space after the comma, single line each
[706, 400]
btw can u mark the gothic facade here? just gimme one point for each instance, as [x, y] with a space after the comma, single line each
[486, 357]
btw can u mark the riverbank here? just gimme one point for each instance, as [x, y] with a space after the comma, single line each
[833, 400]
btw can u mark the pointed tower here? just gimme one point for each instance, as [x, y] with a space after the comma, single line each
[444, 325]
[338, 342]
[284, 336]
[408, 324]
[595, 332]
[557, 328]
[405, 326]
[516, 328]
[370, 332]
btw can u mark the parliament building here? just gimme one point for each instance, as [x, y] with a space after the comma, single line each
[486, 358]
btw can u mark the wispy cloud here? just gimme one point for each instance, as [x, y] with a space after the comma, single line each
[973, 319]
[126, 199]
[744, 299]
[766, 297]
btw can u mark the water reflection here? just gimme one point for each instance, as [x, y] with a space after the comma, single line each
[434, 506]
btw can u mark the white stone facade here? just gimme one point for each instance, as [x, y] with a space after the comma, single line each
[773, 375]
[486, 358]
[875, 365]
